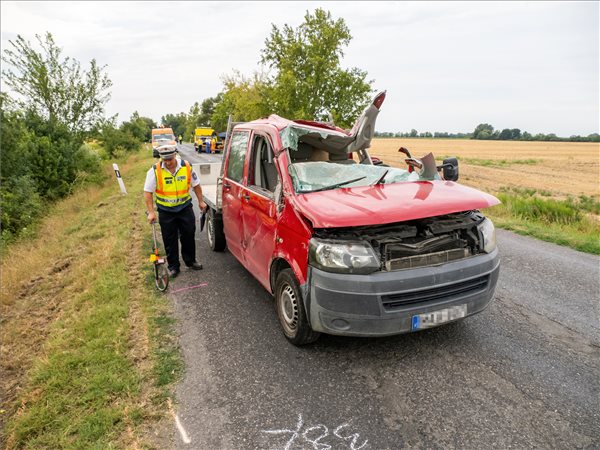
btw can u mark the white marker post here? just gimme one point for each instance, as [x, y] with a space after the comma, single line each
[119, 179]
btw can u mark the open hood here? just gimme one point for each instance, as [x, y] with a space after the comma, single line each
[389, 203]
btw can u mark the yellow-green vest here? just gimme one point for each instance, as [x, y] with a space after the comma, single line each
[173, 191]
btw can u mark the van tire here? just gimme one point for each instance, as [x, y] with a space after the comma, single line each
[290, 310]
[214, 231]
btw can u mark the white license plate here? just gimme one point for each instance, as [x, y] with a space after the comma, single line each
[434, 318]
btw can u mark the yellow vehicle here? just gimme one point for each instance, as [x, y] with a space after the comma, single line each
[201, 135]
[162, 136]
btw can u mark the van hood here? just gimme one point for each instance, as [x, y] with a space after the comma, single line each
[389, 203]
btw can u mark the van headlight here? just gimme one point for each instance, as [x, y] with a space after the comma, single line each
[488, 235]
[342, 256]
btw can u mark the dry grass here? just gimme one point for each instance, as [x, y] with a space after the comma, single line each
[562, 168]
[91, 251]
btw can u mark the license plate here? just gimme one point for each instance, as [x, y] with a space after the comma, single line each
[434, 318]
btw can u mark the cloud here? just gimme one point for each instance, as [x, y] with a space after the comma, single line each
[446, 66]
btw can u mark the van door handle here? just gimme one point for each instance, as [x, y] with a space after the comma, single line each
[246, 197]
[226, 185]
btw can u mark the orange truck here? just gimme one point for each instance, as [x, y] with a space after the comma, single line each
[162, 136]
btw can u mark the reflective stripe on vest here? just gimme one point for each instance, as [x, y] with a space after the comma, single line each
[167, 194]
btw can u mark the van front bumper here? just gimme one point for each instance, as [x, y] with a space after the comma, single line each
[384, 303]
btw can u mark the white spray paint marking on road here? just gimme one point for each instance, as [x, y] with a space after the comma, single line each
[184, 436]
[189, 287]
[314, 436]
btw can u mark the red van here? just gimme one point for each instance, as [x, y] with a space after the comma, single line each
[349, 247]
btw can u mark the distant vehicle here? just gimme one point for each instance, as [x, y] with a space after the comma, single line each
[349, 247]
[200, 136]
[221, 141]
[162, 136]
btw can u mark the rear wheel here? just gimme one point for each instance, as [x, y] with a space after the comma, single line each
[290, 310]
[161, 277]
[214, 232]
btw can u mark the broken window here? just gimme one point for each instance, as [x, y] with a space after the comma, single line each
[311, 176]
[262, 173]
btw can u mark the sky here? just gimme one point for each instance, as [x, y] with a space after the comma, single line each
[446, 66]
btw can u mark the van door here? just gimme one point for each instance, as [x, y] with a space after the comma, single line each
[233, 190]
[258, 209]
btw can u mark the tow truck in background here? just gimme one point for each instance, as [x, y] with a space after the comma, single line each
[349, 247]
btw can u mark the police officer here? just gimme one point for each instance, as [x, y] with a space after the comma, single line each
[170, 180]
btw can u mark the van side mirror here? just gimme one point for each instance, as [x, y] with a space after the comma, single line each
[450, 169]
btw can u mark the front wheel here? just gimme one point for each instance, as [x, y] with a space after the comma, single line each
[290, 310]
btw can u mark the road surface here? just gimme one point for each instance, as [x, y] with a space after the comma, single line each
[522, 374]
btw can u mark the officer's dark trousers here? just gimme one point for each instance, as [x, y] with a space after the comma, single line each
[179, 226]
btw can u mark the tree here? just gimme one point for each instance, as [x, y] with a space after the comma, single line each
[505, 135]
[139, 127]
[483, 131]
[176, 122]
[414, 133]
[515, 134]
[243, 98]
[308, 81]
[55, 87]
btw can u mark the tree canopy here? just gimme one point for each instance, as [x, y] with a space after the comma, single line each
[304, 78]
[56, 87]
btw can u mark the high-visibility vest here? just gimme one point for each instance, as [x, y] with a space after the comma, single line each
[173, 191]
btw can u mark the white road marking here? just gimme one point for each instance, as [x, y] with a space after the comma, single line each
[184, 436]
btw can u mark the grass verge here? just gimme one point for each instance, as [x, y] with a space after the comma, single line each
[88, 350]
[571, 222]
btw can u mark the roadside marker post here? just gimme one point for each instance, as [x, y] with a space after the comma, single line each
[119, 179]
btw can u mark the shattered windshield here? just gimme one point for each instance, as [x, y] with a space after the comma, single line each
[315, 176]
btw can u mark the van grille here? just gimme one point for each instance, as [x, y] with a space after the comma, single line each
[399, 300]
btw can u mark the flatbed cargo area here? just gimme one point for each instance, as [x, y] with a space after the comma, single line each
[209, 175]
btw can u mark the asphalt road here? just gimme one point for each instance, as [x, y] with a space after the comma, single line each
[523, 374]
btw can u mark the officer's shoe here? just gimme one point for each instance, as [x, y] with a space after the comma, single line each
[195, 266]
[173, 273]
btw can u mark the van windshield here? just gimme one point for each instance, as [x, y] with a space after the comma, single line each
[315, 176]
[166, 136]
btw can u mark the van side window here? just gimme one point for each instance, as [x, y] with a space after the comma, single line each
[237, 155]
[262, 172]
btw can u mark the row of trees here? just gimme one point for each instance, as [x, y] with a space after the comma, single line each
[47, 126]
[485, 131]
[301, 78]
[427, 134]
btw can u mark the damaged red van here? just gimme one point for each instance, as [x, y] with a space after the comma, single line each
[349, 247]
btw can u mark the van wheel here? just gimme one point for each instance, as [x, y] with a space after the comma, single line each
[214, 232]
[290, 310]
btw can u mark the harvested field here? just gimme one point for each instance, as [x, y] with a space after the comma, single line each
[561, 168]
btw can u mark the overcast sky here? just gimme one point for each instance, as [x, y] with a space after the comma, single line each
[446, 66]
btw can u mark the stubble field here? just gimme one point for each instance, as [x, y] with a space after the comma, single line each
[561, 168]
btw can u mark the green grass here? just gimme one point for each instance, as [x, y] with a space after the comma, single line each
[106, 369]
[499, 162]
[564, 222]
[77, 392]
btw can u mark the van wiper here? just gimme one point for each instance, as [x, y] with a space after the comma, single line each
[380, 180]
[337, 185]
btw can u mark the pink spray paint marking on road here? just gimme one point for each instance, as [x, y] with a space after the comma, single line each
[189, 287]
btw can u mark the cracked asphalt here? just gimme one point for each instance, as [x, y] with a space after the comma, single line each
[523, 374]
